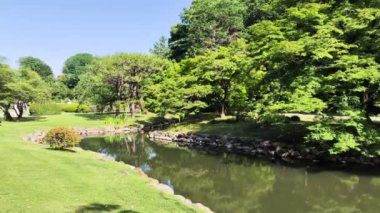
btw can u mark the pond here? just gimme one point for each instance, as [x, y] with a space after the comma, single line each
[230, 183]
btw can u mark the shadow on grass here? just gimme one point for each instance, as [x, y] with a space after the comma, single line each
[30, 119]
[62, 150]
[94, 116]
[98, 207]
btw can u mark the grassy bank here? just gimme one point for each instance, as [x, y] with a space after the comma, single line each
[285, 132]
[281, 131]
[34, 179]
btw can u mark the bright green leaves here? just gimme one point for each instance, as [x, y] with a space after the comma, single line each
[308, 16]
[74, 67]
[356, 70]
[345, 134]
[38, 66]
[315, 59]
[207, 25]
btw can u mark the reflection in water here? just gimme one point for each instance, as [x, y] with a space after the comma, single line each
[229, 183]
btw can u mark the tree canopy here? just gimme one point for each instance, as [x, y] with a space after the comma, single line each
[38, 66]
[253, 59]
[74, 67]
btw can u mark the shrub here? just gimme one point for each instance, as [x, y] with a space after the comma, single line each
[61, 138]
[45, 109]
[114, 121]
[76, 108]
[295, 118]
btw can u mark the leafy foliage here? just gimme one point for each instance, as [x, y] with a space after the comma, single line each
[74, 67]
[160, 48]
[45, 109]
[61, 138]
[38, 66]
[75, 107]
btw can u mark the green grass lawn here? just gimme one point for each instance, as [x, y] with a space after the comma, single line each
[35, 179]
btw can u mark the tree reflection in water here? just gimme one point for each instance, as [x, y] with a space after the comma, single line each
[229, 183]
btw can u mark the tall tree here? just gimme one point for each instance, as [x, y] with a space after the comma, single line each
[160, 48]
[74, 67]
[206, 25]
[220, 69]
[18, 88]
[176, 92]
[7, 76]
[123, 76]
[38, 66]
[316, 58]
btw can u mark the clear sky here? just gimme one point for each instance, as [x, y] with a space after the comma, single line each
[54, 30]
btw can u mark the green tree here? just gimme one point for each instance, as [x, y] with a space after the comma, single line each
[20, 88]
[123, 76]
[175, 92]
[160, 48]
[38, 66]
[74, 67]
[7, 75]
[207, 25]
[221, 70]
[316, 58]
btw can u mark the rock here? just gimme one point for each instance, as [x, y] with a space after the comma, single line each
[165, 188]
[202, 207]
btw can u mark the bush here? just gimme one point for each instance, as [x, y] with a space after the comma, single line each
[45, 109]
[114, 121]
[295, 118]
[76, 108]
[61, 138]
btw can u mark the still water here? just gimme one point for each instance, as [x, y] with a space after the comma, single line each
[229, 183]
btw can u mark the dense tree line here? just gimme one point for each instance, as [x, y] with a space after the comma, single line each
[255, 59]
[270, 57]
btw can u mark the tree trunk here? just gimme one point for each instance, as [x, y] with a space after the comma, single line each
[223, 110]
[141, 104]
[133, 98]
[7, 114]
[365, 104]
[238, 116]
[132, 109]
[19, 109]
[117, 112]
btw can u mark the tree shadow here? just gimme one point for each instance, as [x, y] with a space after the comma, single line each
[98, 207]
[29, 119]
[94, 116]
[62, 150]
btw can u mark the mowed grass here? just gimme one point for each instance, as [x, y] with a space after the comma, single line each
[35, 179]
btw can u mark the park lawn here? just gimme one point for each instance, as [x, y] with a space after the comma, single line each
[35, 179]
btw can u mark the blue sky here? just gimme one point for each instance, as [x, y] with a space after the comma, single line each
[54, 30]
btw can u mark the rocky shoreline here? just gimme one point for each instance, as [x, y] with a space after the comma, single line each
[291, 154]
[86, 132]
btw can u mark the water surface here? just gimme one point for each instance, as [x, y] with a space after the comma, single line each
[229, 183]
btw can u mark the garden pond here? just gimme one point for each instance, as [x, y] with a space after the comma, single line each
[231, 183]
